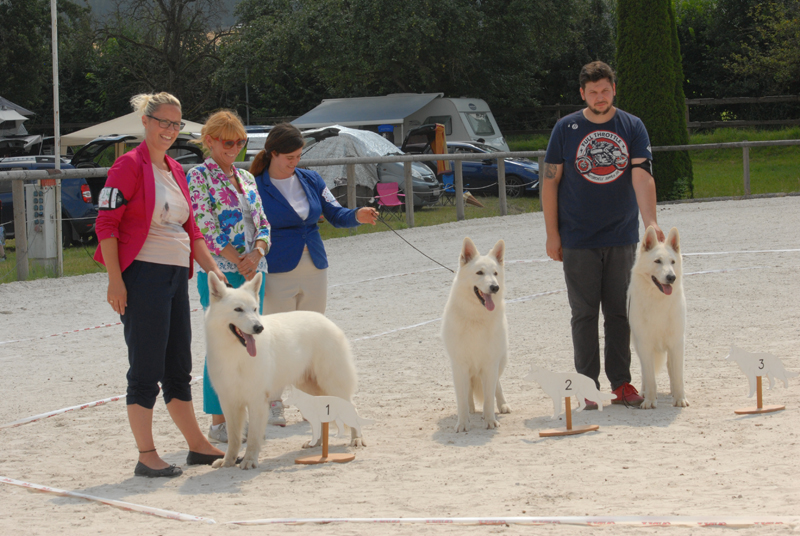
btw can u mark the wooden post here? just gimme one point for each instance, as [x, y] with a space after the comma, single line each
[501, 186]
[459, 181]
[760, 407]
[746, 166]
[569, 430]
[568, 406]
[20, 229]
[326, 456]
[409, 191]
[352, 202]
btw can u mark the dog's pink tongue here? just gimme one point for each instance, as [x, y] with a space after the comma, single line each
[667, 289]
[489, 303]
[251, 344]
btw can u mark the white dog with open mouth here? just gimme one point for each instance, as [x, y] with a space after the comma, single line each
[475, 333]
[657, 314]
[251, 357]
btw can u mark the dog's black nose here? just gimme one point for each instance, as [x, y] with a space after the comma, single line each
[258, 328]
[494, 288]
[671, 278]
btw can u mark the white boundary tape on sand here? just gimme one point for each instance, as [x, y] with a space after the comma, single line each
[521, 261]
[158, 512]
[96, 403]
[70, 332]
[593, 521]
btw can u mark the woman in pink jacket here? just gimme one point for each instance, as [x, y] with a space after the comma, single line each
[148, 242]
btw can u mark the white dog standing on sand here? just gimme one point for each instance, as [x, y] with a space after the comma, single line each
[250, 357]
[657, 314]
[475, 333]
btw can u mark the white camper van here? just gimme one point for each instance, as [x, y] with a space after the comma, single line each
[394, 115]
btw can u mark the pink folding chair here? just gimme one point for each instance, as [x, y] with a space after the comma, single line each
[388, 198]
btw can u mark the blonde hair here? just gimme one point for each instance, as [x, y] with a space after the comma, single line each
[148, 103]
[224, 124]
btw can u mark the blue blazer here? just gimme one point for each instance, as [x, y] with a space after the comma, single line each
[290, 233]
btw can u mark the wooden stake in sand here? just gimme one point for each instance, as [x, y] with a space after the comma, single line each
[567, 385]
[760, 407]
[754, 367]
[319, 411]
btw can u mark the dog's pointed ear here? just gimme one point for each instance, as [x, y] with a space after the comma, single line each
[650, 239]
[674, 240]
[468, 251]
[499, 251]
[216, 288]
[254, 285]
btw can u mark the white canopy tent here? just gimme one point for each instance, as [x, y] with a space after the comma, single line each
[130, 124]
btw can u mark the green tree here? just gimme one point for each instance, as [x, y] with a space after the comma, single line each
[164, 45]
[26, 57]
[772, 53]
[650, 86]
[302, 50]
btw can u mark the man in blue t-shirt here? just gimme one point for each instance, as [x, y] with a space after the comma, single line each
[591, 197]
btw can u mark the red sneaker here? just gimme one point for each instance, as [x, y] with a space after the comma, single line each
[628, 395]
[589, 405]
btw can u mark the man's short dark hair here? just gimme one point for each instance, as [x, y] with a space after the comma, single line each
[594, 72]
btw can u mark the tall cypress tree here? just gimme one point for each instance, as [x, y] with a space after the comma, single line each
[650, 86]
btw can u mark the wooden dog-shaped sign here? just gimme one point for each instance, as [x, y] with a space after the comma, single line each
[319, 409]
[754, 365]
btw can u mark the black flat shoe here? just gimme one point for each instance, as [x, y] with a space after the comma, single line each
[171, 471]
[197, 458]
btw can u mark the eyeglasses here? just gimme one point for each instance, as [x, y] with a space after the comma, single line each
[166, 123]
[228, 144]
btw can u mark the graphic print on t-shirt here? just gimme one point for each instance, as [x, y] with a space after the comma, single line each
[602, 157]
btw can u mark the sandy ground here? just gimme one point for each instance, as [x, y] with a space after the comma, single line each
[699, 461]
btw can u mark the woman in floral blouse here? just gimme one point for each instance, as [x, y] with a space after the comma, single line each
[228, 211]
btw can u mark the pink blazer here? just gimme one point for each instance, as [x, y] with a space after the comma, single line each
[132, 174]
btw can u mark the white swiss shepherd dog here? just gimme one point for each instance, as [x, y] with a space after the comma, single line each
[251, 357]
[475, 333]
[657, 314]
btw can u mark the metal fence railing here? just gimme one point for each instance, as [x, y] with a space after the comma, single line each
[17, 178]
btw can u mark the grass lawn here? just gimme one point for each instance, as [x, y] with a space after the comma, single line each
[717, 173]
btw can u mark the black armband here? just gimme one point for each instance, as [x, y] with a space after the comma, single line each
[647, 165]
[110, 198]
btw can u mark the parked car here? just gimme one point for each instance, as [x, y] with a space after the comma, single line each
[100, 152]
[522, 174]
[338, 141]
[77, 209]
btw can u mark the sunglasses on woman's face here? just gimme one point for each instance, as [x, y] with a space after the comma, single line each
[228, 144]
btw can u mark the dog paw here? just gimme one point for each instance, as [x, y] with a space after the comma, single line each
[505, 408]
[357, 442]
[648, 404]
[310, 445]
[248, 463]
[224, 462]
[680, 402]
[462, 426]
[492, 424]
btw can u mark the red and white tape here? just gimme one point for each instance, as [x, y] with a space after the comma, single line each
[131, 507]
[592, 521]
[96, 403]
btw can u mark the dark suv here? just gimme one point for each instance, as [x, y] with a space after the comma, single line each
[77, 209]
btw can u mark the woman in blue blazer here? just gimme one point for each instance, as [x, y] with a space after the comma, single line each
[293, 200]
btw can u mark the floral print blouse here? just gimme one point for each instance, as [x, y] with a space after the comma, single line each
[219, 214]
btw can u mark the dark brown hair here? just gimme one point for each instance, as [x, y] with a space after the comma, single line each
[594, 72]
[284, 138]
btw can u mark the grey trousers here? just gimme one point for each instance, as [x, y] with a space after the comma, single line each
[600, 277]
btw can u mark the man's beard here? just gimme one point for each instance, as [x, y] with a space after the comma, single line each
[600, 112]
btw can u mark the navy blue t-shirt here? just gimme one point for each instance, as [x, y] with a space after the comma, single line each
[596, 201]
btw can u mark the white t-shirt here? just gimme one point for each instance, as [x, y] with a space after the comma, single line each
[293, 191]
[167, 241]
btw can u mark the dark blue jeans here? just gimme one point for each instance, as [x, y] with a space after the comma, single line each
[158, 332]
[600, 277]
